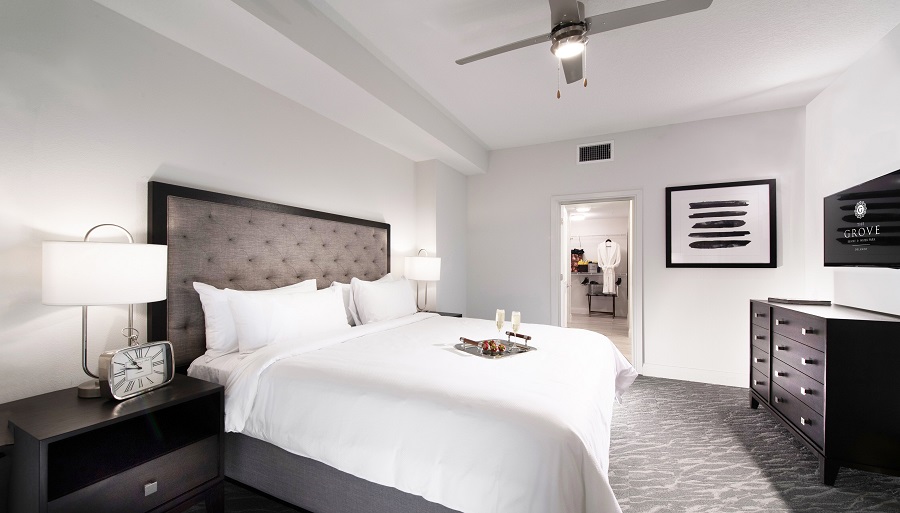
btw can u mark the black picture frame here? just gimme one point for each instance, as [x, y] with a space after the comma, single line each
[730, 224]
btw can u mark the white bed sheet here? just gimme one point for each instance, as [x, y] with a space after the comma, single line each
[215, 369]
[394, 403]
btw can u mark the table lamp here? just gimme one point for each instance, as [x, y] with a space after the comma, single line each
[102, 273]
[423, 268]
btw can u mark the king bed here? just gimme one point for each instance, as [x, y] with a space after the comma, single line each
[386, 415]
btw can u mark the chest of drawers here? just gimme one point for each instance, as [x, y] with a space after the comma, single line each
[831, 375]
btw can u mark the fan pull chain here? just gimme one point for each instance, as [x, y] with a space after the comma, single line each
[585, 61]
[558, 62]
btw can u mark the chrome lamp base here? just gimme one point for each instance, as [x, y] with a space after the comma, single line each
[90, 389]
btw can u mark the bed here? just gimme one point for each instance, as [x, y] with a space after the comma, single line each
[385, 416]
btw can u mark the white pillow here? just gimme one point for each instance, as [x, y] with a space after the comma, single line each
[303, 316]
[380, 301]
[349, 305]
[221, 337]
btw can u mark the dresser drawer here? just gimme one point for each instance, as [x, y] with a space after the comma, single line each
[759, 360]
[803, 328]
[760, 383]
[800, 415]
[801, 386]
[174, 473]
[759, 337]
[759, 314]
[799, 356]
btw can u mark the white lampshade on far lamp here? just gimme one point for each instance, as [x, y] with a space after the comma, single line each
[102, 273]
[423, 268]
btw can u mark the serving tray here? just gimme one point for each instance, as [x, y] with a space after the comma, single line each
[473, 347]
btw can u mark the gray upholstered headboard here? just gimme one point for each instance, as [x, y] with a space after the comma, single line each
[239, 243]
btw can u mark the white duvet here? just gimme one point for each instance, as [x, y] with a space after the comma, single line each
[394, 403]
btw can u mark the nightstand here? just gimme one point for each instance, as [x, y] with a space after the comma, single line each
[158, 451]
[449, 314]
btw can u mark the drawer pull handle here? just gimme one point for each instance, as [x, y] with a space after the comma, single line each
[806, 391]
[150, 488]
[781, 374]
[805, 422]
[778, 399]
[807, 361]
[757, 314]
[759, 360]
[779, 322]
[757, 382]
[760, 337]
[781, 348]
[808, 331]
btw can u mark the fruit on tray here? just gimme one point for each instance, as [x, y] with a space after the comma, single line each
[492, 347]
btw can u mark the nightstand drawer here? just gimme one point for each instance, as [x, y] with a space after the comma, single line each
[799, 356]
[803, 387]
[803, 328]
[174, 473]
[800, 415]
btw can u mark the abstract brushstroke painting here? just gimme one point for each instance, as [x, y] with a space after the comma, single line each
[721, 225]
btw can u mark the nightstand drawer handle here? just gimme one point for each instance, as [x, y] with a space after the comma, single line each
[807, 361]
[757, 314]
[781, 348]
[805, 422]
[779, 322]
[760, 337]
[150, 488]
[781, 374]
[778, 399]
[806, 391]
[808, 331]
[757, 382]
[759, 360]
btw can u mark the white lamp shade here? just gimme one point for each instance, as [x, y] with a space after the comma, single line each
[423, 268]
[102, 273]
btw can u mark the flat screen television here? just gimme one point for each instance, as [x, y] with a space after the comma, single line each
[862, 224]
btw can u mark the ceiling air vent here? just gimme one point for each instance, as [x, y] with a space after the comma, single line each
[595, 152]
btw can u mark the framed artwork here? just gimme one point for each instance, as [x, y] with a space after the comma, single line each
[721, 225]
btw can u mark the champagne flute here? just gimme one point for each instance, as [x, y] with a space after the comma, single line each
[501, 318]
[516, 318]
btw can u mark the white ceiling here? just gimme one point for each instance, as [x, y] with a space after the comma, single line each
[386, 68]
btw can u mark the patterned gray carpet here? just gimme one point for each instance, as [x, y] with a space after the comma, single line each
[688, 447]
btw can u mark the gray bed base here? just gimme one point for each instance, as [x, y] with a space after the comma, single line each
[240, 243]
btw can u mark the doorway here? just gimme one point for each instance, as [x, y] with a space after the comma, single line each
[587, 224]
[598, 236]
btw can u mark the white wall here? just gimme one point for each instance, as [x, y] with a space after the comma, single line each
[441, 230]
[695, 319]
[853, 135]
[92, 106]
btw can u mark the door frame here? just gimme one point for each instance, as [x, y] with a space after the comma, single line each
[635, 268]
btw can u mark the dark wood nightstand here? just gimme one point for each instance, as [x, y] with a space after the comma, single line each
[449, 314]
[155, 452]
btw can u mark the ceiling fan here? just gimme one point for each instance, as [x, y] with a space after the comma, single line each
[569, 30]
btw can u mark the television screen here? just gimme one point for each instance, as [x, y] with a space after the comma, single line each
[862, 224]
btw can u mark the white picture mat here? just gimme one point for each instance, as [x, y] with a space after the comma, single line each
[757, 219]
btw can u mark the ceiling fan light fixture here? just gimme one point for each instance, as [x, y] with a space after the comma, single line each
[568, 41]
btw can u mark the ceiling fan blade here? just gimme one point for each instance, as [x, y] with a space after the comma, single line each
[573, 67]
[543, 38]
[642, 14]
[564, 11]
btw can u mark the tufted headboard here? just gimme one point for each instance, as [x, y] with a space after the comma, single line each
[245, 244]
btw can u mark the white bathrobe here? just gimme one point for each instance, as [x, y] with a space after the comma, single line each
[609, 255]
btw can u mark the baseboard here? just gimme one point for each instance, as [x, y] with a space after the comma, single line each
[697, 375]
[579, 311]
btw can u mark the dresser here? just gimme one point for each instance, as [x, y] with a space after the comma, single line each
[831, 375]
[154, 452]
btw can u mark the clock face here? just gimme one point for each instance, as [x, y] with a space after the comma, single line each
[137, 369]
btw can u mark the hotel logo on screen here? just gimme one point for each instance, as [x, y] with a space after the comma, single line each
[862, 224]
